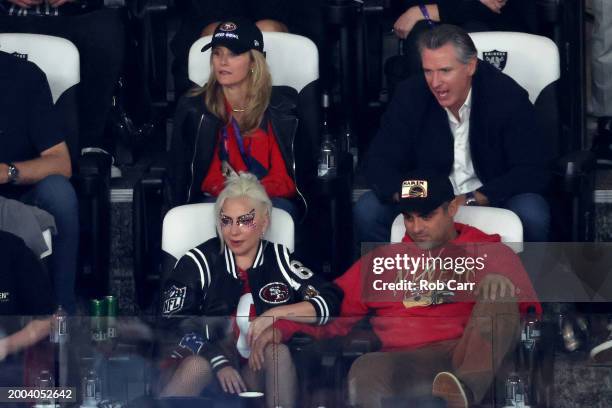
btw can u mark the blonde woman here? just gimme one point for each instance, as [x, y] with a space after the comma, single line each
[236, 122]
[241, 275]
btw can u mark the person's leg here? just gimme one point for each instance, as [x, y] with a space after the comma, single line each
[278, 379]
[56, 195]
[534, 212]
[190, 378]
[375, 377]
[372, 219]
[491, 333]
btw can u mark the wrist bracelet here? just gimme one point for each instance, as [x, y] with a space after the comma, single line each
[425, 13]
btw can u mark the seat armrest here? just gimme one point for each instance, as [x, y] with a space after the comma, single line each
[95, 164]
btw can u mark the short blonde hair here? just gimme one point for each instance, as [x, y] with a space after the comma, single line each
[242, 185]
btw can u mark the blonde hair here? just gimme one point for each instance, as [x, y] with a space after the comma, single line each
[258, 98]
[243, 185]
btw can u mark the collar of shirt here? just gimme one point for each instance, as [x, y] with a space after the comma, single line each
[464, 111]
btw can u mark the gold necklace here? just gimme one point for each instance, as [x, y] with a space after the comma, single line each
[239, 110]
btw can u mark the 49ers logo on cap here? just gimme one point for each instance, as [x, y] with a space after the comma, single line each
[274, 293]
[229, 26]
[414, 189]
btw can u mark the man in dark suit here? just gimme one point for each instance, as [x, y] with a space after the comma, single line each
[465, 119]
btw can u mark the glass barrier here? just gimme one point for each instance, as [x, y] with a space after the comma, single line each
[501, 358]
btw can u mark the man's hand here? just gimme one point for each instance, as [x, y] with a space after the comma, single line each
[269, 336]
[494, 5]
[230, 380]
[3, 349]
[405, 23]
[57, 3]
[3, 173]
[495, 286]
[26, 3]
[480, 198]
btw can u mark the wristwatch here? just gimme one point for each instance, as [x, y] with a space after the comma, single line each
[470, 199]
[13, 173]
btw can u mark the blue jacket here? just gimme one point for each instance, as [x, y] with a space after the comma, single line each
[509, 156]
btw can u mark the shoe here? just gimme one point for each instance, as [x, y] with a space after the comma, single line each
[448, 387]
[602, 353]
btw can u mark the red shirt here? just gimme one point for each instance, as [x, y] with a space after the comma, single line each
[399, 327]
[262, 146]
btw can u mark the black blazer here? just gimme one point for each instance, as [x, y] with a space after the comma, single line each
[509, 156]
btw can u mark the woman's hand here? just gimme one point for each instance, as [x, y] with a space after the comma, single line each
[494, 5]
[257, 326]
[230, 380]
[269, 336]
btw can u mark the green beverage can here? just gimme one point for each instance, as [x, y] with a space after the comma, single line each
[97, 311]
[111, 316]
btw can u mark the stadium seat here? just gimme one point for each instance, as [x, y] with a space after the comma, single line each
[491, 220]
[533, 62]
[189, 225]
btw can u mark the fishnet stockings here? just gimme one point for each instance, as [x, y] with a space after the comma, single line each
[192, 375]
[278, 376]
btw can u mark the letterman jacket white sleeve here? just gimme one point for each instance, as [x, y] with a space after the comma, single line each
[193, 320]
[323, 295]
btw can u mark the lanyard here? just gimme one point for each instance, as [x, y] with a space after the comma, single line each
[252, 165]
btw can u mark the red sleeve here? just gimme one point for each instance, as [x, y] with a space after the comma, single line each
[277, 183]
[214, 181]
[352, 310]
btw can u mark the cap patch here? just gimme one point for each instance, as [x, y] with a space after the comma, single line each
[229, 26]
[414, 189]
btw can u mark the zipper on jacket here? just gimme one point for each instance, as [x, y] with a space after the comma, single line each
[195, 146]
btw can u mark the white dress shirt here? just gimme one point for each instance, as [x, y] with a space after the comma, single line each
[462, 177]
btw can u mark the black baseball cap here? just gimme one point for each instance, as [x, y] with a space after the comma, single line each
[423, 192]
[239, 35]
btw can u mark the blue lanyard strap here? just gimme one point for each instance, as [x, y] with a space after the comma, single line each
[252, 165]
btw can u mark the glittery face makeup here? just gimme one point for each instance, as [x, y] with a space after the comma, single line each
[245, 221]
[242, 224]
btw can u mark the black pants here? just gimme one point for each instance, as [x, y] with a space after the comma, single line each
[99, 37]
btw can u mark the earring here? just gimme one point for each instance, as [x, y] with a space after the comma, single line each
[252, 70]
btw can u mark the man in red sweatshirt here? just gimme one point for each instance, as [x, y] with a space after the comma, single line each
[443, 304]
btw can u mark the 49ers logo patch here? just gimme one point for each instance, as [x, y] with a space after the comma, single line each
[274, 293]
[229, 26]
[174, 298]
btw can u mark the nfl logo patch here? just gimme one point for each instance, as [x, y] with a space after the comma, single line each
[496, 58]
[174, 299]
